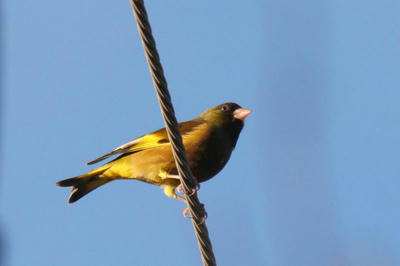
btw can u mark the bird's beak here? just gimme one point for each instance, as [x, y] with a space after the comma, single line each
[241, 113]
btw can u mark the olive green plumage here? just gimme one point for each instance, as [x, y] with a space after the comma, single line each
[208, 139]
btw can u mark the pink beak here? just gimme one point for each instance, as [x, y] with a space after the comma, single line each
[241, 113]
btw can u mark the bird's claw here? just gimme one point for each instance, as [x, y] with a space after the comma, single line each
[180, 189]
[186, 213]
[197, 188]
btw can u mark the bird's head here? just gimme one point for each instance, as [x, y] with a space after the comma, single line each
[226, 114]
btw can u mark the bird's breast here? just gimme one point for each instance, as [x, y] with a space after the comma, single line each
[207, 154]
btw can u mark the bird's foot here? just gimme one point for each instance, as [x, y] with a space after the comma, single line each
[180, 190]
[186, 213]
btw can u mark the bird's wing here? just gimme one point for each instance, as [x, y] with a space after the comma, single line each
[155, 139]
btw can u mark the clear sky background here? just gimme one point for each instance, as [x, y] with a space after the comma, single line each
[313, 181]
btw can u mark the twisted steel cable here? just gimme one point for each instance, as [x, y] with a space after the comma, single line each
[185, 175]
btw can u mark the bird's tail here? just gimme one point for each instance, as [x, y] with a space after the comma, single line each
[82, 185]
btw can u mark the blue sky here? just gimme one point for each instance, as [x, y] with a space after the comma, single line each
[315, 175]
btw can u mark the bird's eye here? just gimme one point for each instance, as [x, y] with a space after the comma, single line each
[224, 108]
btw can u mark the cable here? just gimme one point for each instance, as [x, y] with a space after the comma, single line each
[185, 175]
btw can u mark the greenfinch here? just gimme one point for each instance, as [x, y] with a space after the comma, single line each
[208, 139]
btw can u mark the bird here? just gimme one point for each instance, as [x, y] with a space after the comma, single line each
[208, 139]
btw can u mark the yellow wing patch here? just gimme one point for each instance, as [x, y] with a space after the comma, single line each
[152, 140]
[139, 144]
[143, 143]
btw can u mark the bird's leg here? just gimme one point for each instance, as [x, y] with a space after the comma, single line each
[172, 176]
[180, 198]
